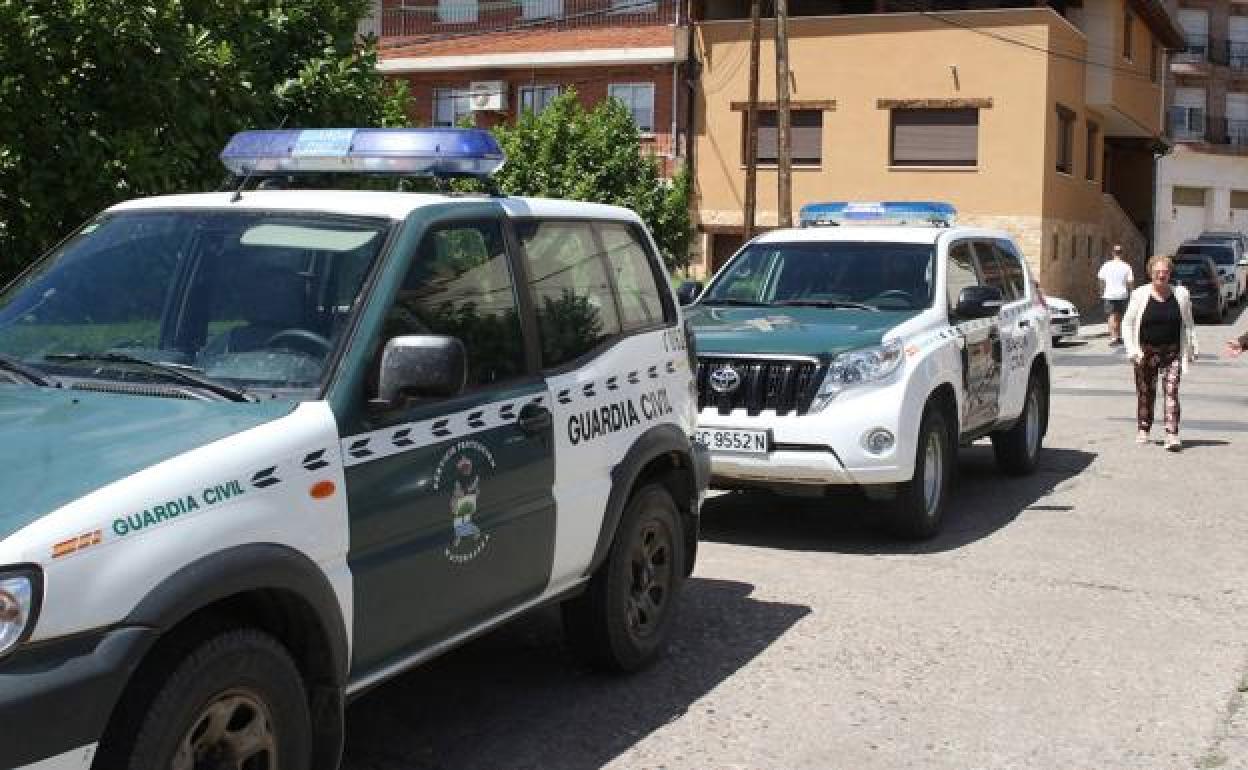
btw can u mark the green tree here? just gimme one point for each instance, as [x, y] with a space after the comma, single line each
[568, 152]
[103, 100]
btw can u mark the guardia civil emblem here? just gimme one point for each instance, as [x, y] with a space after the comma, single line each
[461, 472]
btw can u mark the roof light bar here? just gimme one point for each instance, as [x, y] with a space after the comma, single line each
[913, 213]
[410, 151]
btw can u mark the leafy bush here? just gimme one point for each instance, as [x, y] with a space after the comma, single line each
[104, 100]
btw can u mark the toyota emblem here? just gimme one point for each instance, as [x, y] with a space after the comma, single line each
[725, 380]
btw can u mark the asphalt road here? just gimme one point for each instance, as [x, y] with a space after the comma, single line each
[1089, 616]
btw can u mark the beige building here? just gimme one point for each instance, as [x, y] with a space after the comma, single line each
[1203, 184]
[1038, 120]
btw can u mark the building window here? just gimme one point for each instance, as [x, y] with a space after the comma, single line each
[639, 99]
[1090, 160]
[633, 6]
[540, 9]
[1239, 200]
[457, 11]
[1128, 22]
[805, 137]
[1074, 245]
[1065, 140]
[1057, 245]
[1186, 115]
[1154, 62]
[450, 106]
[534, 99]
[1188, 196]
[934, 137]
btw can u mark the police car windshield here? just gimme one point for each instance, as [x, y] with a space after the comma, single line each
[252, 300]
[828, 274]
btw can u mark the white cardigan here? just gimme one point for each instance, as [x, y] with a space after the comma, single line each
[1135, 309]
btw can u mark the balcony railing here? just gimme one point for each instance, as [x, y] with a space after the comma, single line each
[1201, 49]
[435, 18]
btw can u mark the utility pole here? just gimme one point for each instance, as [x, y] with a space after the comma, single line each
[751, 126]
[784, 160]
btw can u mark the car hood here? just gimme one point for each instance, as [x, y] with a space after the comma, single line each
[1056, 303]
[792, 330]
[58, 445]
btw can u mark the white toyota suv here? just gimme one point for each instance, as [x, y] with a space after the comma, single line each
[835, 354]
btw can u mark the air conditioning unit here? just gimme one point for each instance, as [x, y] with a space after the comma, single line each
[488, 95]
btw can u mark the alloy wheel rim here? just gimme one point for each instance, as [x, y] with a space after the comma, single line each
[234, 731]
[650, 579]
[932, 470]
[1032, 425]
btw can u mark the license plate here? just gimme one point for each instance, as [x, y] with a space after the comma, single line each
[754, 442]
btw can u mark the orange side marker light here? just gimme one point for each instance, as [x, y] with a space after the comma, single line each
[322, 489]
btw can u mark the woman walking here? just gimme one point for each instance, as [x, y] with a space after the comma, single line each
[1160, 339]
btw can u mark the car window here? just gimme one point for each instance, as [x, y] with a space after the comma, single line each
[960, 271]
[459, 284]
[1012, 266]
[991, 271]
[640, 302]
[1222, 255]
[576, 309]
[258, 299]
[887, 276]
[1186, 268]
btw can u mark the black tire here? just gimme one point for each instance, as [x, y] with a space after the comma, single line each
[228, 684]
[622, 621]
[1018, 448]
[919, 506]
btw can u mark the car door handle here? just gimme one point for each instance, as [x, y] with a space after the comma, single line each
[534, 419]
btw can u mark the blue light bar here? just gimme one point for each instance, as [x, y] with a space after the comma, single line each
[415, 151]
[914, 213]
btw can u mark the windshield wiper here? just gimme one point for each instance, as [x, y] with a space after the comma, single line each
[26, 372]
[183, 374]
[732, 301]
[825, 303]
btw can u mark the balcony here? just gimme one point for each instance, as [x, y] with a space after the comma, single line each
[1187, 124]
[1191, 124]
[1198, 54]
[440, 19]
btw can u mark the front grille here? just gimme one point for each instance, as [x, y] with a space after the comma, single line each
[783, 385]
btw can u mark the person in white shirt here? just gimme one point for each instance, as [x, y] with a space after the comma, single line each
[1117, 280]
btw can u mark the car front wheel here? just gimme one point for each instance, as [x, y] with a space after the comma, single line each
[236, 702]
[919, 506]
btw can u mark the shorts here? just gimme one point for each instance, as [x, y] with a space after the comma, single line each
[1118, 306]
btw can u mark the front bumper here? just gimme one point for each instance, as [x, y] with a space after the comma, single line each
[823, 448]
[1206, 303]
[58, 695]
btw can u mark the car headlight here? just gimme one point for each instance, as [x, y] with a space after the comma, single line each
[858, 367]
[19, 605]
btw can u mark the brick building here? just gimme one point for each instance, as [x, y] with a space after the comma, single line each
[489, 60]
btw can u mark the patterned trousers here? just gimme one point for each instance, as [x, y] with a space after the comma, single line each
[1161, 360]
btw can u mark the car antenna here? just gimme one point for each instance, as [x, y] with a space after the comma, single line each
[238, 191]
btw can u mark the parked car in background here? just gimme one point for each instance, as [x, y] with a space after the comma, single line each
[1200, 276]
[1232, 266]
[1063, 318]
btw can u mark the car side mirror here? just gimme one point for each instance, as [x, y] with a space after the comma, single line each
[427, 365]
[979, 302]
[688, 292]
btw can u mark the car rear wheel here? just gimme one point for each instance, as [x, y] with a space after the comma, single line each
[236, 702]
[919, 506]
[623, 620]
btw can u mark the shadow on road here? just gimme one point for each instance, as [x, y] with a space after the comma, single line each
[984, 501]
[518, 699]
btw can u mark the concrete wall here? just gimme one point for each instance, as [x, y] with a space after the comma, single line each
[1219, 174]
